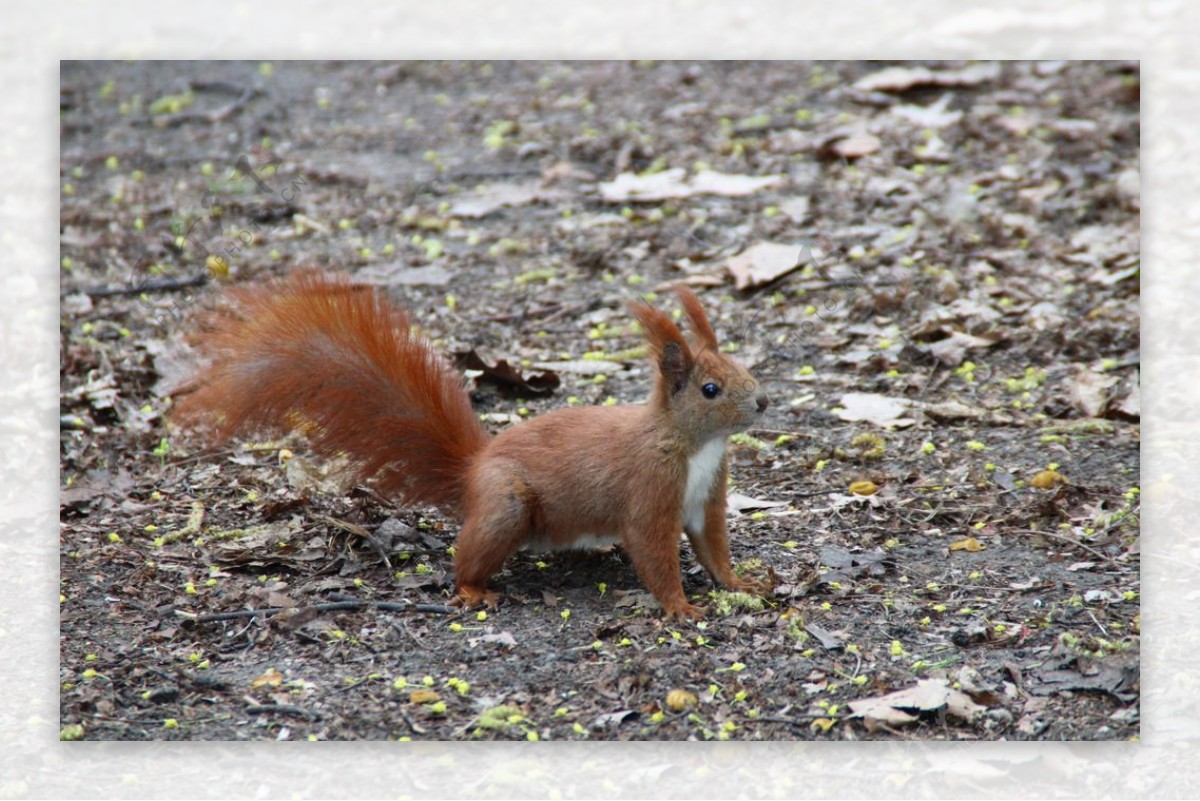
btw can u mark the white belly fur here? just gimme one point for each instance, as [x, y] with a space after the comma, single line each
[581, 543]
[703, 467]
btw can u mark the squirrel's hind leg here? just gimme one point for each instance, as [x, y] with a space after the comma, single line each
[498, 518]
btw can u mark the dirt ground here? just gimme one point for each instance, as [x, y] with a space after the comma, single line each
[937, 281]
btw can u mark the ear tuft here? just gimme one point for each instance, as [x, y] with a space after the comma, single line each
[695, 313]
[670, 349]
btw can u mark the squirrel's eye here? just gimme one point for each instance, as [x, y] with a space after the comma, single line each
[710, 390]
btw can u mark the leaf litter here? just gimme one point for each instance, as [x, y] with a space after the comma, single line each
[968, 265]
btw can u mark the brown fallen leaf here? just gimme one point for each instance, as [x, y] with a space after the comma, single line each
[763, 263]
[506, 377]
[905, 706]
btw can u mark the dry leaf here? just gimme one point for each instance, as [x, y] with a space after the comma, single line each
[1090, 392]
[901, 79]
[855, 146]
[581, 367]
[400, 274]
[952, 350]
[829, 640]
[951, 410]
[736, 502]
[504, 638]
[505, 377]
[671, 184]
[796, 208]
[931, 116]
[878, 409]
[763, 263]
[1130, 405]
[492, 197]
[928, 695]
[708, 182]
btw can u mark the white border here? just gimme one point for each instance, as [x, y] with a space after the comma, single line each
[32, 761]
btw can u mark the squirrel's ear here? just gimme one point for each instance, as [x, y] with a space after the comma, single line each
[674, 366]
[671, 352]
[695, 313]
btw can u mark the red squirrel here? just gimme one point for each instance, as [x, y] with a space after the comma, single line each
[340, 362]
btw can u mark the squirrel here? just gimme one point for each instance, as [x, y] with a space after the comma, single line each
[340, 362]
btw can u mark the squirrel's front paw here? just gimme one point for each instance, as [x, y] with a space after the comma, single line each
[686, 612]
[759, 587]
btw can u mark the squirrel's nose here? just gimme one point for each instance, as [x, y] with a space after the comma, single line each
[762, 401]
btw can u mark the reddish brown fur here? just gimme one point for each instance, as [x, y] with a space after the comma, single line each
[342, 358]
[339, 361]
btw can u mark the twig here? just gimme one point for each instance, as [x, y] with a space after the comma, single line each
[165, 285]
[1076, 543]
[217, 115]
[287, 709]
[335, 606]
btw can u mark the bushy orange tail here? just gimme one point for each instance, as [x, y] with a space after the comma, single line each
[338, 361]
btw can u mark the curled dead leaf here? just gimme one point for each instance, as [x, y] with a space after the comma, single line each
[506, 378]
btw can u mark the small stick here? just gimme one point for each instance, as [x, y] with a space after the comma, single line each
[1076, 543]
[384, 606]
[287, 709]
[165, 285]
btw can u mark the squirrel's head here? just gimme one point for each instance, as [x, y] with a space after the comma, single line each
[708, 393]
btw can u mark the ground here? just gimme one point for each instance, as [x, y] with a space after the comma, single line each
[936, 281]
